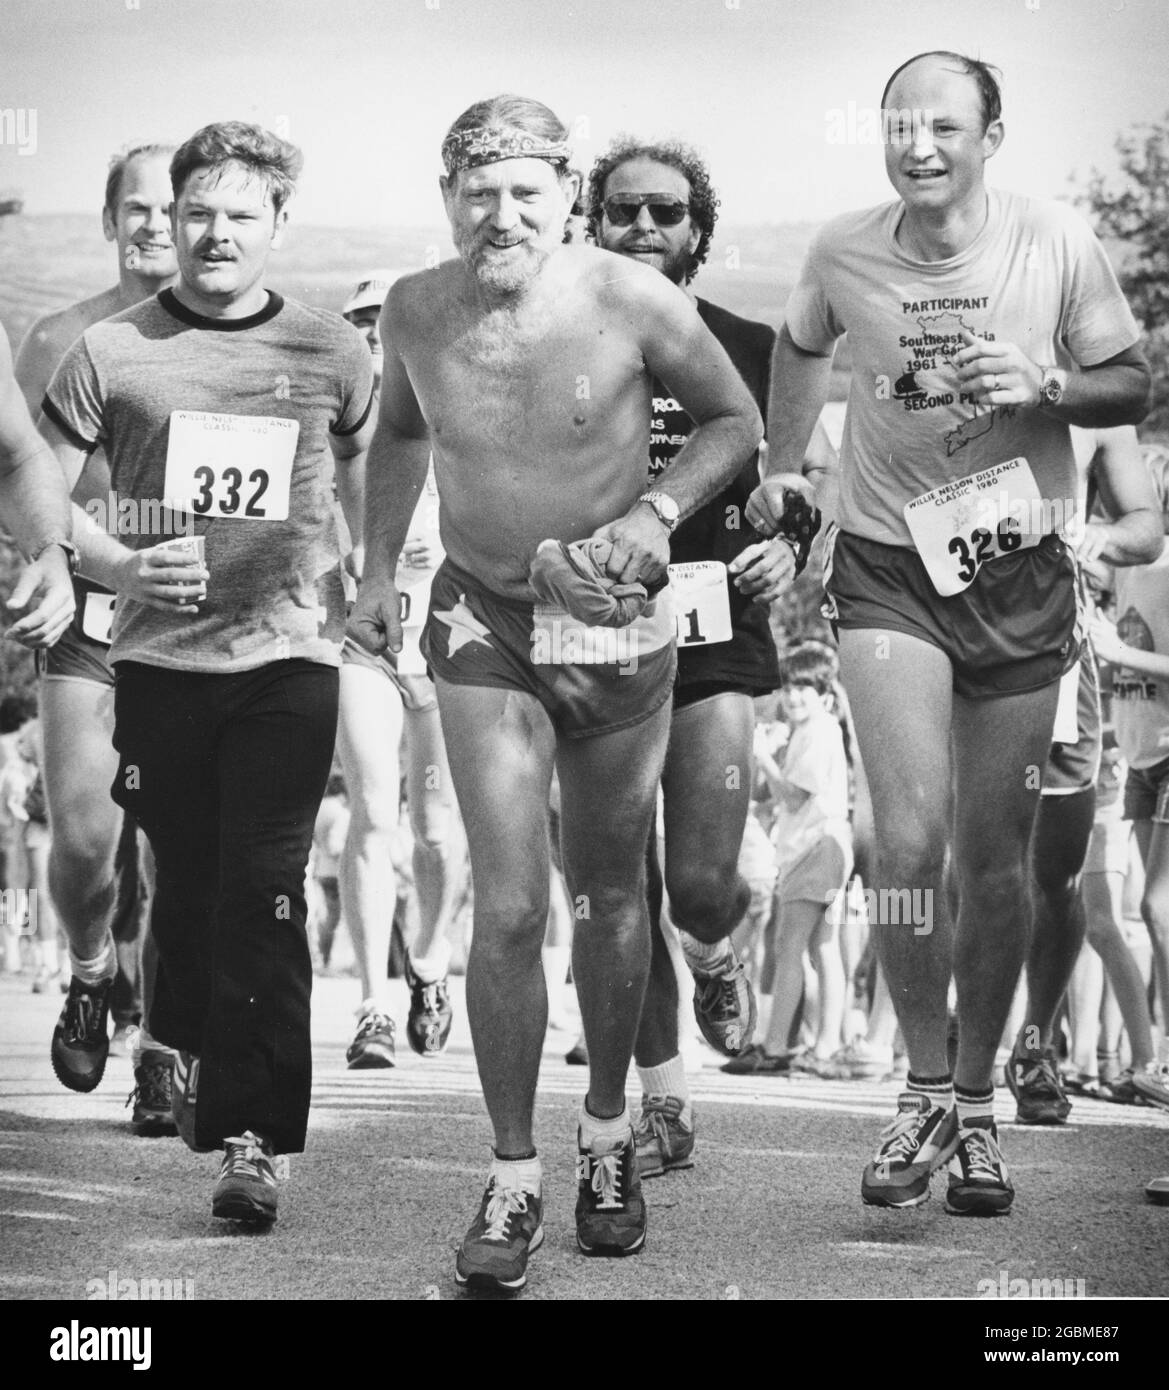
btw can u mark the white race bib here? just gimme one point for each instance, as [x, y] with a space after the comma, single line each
[1067, 709]
[961, 526]
[702, 601]
[97, 617]
[233, 466]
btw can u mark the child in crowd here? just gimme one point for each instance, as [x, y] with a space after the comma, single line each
[808, 780]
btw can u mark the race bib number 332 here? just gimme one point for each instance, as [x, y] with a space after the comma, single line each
[961, 526]
[233, 466]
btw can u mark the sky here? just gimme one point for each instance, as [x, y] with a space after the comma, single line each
[762, 87]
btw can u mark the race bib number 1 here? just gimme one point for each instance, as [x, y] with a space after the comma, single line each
[961, 526]
[233, 466]
[702, 602]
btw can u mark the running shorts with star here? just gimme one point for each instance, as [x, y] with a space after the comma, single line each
[591, 680]
[1017, 627]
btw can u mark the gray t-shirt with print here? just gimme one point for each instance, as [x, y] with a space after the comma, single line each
[227, 422]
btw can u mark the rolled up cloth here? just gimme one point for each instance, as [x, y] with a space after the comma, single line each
[573, 578]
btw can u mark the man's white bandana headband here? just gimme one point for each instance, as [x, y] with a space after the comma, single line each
[487, 144]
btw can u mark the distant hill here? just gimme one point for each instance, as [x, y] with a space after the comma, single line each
[50, 260]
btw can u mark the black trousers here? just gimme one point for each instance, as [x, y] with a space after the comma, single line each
[225, 774]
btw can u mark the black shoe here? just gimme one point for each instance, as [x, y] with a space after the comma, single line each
[610, 1210]
[508, 1228]
[153, 1081]
[81, 1041]
[428, 1024]
[374, 1044]
[246, 1190]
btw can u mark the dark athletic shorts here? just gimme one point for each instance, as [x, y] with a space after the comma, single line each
[74, 656]
[1146, 793]
[1016, 628]
[1074, 767]
[591, 680]
[417, 692]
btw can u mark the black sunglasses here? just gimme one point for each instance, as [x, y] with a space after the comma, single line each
[666, 212]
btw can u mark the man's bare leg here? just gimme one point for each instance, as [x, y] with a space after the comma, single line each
[905, 747]
[430, 800]
[608, 786]
[501, 748]
[1063, 826]
[80, 763]
[706, 784]
[1000, 747]
[369, 732]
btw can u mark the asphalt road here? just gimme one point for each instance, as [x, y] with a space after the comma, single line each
[397, 1159]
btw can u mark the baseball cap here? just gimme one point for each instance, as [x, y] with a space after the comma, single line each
[371, 290]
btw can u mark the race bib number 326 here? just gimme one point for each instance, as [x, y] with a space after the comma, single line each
[961, 526]
[234, 466]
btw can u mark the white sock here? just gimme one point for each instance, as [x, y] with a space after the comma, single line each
[706, 957]
[524, 1174]
[668, 1079]
[103, 966]
[599, 1135]
[433, 967]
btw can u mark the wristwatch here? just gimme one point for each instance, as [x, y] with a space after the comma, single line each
[72, 554]
[664, 508]
[1052, 386]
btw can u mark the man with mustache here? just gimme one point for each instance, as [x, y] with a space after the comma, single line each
[221, 400]
[526, 365]
[654, 203]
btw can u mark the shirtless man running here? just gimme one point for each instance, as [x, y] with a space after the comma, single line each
[526, 365]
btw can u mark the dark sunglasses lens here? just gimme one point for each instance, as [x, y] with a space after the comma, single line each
[623, 214]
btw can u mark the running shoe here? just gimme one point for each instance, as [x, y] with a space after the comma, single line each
[753, 1061]
[1080, 1083]
[1157, 1191]
[919, 1141]
[428, 1024]
[979, 1184]
[246, 1190]
[860, 1061]
[724, 1005]
[610, 1210]
[183, 1096]
[663, 1141]
[373, 1045]
[1038, 1091]
[151, 1096]
[81, 1041]
[1152, 1083]
[1122, 1089]
[509, 1228]
[578, 1054]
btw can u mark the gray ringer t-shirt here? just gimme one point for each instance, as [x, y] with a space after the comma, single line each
[227, 423]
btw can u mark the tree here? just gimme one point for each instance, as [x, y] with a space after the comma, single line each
[1134, 215]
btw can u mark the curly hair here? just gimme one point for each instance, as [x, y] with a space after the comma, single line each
[274, 161]
[686, 160]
